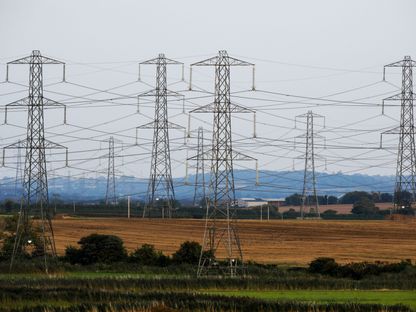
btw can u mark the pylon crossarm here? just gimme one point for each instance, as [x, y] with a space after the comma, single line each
[212, 108]
[168, 125]
[391, 131]
[155, 92]
[397, 97]
[156, 61]
[406, 62]
[18, 103]
[18, 145]
[21, 102]
[53, 145]
[310, 113]
[23, 144]
[206, 155]
[163, 61]
[27, 102]
[401, 63]
[41, 60]
[241, 156]
[232, 61]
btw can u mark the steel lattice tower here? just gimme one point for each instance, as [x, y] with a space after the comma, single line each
[221, 199]
[110, 195]
[404, 191]
[199, 192]
[309, 194]
[35, 183]
[160, 193]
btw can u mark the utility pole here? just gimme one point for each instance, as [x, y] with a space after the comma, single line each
[404, 191]
[309, 194]
[221, 229]
[35, 200]
[110, 195]
[160, 181]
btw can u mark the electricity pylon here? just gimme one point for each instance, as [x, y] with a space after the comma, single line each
[35, 183]
[221, 203]
[309, 194]
[199, 191]
[404, 191]
[199, 158]
[110, 195]
[160, 192]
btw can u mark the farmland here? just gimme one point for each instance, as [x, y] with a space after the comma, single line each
[131, 286]
[291, 242]
[381, 297]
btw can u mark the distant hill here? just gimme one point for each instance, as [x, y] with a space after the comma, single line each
[272, 184]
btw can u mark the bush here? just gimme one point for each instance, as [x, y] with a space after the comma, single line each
[352, 197]
[97, 248]
[323, 265]
[357, 270]
[30, 240]
[189, 252]
[72, 254]
[364, 206]
[148, 255]
[11, 223]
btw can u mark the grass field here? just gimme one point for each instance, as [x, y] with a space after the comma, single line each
[385, 297]
[132, 292]
[285, 242]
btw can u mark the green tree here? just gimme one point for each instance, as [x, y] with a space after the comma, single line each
[323, 265]
[332, 200]
[386, 198]
[148, 255]
[32, 244]
[97, 248]
[189, 252]
[352, 197]
[294, 199]
[364, 206]
[8, 205]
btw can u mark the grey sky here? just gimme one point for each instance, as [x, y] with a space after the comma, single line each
[305, 48]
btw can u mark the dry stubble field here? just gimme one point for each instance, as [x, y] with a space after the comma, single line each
[284, 242]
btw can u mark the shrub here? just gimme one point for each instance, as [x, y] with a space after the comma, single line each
[357, 270]
[148, 255]
[72, 255]
[352, 197]
[189, 252]
[97, 248]
[11, 223]
[323, 265]
[7, 248]
[364, 206]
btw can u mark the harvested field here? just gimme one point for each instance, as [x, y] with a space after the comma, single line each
[284, 242]
[339, 208]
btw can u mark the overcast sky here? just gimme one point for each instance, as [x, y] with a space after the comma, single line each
[301, 48]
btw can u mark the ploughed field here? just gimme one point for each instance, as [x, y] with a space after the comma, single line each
[282, 242]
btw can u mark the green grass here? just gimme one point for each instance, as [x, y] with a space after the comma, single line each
[386, 297]
[91, 275]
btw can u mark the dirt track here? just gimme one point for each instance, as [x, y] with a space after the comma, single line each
[291, 241]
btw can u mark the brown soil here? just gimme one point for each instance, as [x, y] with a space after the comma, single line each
[339, 208]
[289, 241]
